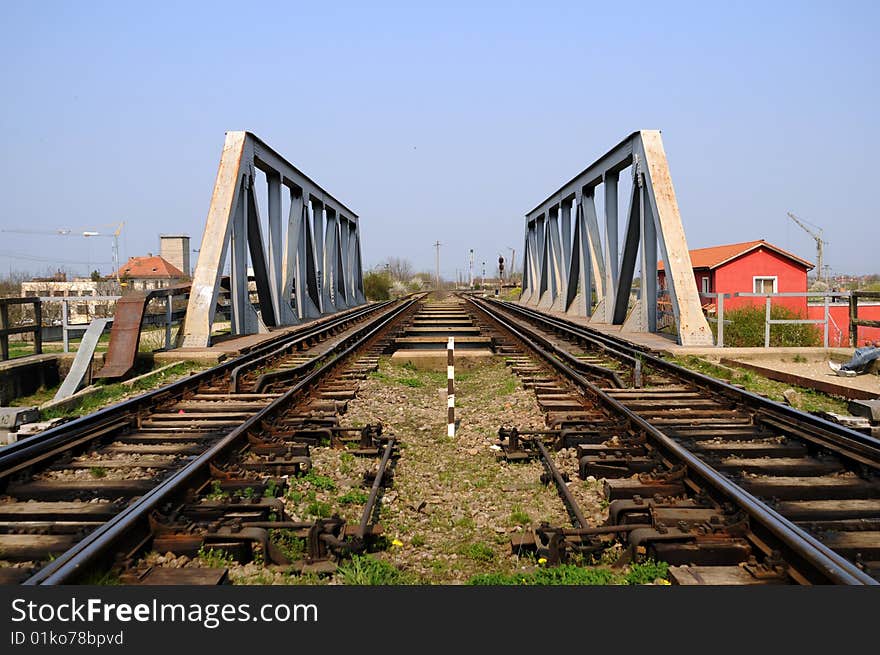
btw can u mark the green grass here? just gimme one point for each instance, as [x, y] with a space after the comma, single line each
[407, 374]
[217, 492]
[293, 547]
[346, 462]
[98, 472]
[569, 574]
[353, 497]
[646, 572]
[418, 540]
[40, 396]
[319, 481]
[519, 517]
[108, 394]
[810, 400]
[465, 522]
[215, 559]
[479, 552]
[25, 348]
[272, 488]
[367, 570]
[508, 387]
[102, 579]
[319, 509]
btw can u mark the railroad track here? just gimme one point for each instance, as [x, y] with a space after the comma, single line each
[82, 495]
[727, 486]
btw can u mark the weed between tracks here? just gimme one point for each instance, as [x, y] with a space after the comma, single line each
[454, 507]
[569, 574]
[370, 570]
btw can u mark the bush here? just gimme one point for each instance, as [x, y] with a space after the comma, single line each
[746, 328]
[511, 294]
[377, 286]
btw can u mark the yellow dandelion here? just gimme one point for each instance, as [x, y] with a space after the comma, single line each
[396, 542]
[542, 560]
[662, 581]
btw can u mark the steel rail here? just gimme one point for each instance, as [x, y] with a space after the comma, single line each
[633, 360]
[561, 486]
[86, 552]
[574, 362]
[828, 564]
[847, 442]
[370, 505]
[23, 453]
[244, 367]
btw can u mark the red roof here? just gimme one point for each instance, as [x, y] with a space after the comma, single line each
[149, 267]
[717, 255]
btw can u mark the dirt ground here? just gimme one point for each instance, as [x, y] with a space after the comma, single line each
[454, 505]
[816, 368]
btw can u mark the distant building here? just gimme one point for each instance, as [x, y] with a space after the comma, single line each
[81, 310]
[174, 249]
[749, 267]
[148, 273]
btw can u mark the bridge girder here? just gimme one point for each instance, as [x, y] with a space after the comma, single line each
[309, 267]
[564, 272]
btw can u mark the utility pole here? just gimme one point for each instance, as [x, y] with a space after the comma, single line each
[437, 246]
[483, 279]
[471, 270]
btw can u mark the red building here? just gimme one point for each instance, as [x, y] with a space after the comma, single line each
[148, 273]
[750, 267]
[838, 330]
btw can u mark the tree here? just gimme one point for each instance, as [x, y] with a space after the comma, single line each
[400, 269]
[377, 285]
[95, 276]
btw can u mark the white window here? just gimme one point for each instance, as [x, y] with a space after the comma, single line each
[705, 283]
[764, 284]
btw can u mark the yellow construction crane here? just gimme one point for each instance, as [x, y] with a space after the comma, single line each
[820, 243]
[115, 235]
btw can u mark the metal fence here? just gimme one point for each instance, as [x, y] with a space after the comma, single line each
[825, 321]
[718, 300]
[6, 329]
[854, 321]
[66, 326]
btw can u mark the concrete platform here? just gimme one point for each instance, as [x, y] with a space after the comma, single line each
[23, 376]
[439, 343]
[435, 360]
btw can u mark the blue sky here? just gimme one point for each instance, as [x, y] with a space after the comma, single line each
[444, 122]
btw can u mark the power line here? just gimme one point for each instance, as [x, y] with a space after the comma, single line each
[50, 260]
